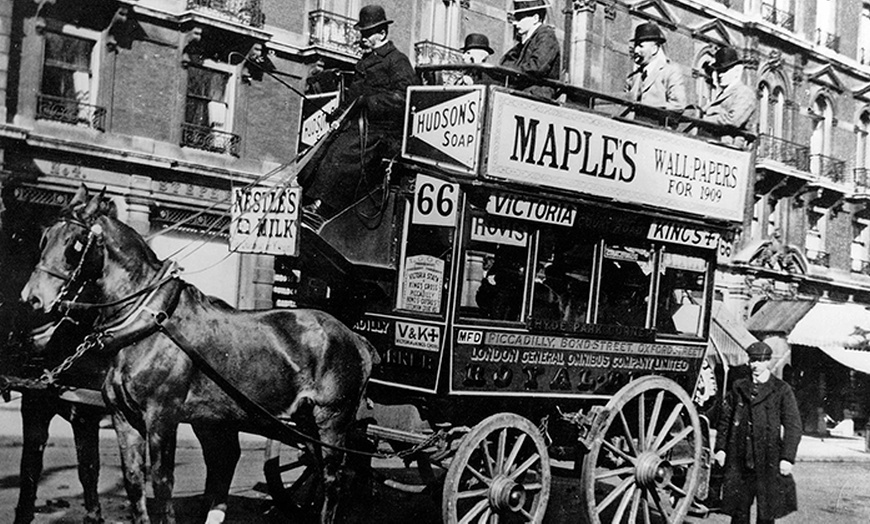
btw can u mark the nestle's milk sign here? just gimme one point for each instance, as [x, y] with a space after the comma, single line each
[443, 127]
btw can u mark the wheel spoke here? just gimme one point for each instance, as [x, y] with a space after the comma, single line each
[472, 493]
[618, 451]
[676, 440]
[475, 511]
[515, 451]
[502, 443]
[654, 418]
[635, 503]
[524, 466]
[490, 467]
[618, 472]
[646, 516]
[641, 424]
[480, 476]
[628, 434]
[484, 517]
[685, 461]
[660, 504]
[613, 495]
[528, 516]
[676, 489]
[668, 425]
[623, 504]
[533, 486]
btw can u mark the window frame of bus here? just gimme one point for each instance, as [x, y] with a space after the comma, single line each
[400, 301]
[708, 275]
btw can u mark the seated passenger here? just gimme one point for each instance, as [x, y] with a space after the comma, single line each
[475, 51]
[538, 53]
[657, 81]
[500, 295]
[735, 103]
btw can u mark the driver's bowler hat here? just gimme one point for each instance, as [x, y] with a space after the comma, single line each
[371, 17]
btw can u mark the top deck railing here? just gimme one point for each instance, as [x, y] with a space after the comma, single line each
[613, 106]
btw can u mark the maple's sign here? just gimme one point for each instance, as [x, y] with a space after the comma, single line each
[443, 127]
[543, 145]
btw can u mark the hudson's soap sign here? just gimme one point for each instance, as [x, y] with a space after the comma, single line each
[542, 144]
[443, 127]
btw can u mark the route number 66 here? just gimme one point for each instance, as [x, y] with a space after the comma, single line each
[435, 201]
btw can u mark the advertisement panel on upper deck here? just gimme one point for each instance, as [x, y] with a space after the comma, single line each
[443, 127]
[547, 145]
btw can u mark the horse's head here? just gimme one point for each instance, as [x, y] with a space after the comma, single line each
[74, 252]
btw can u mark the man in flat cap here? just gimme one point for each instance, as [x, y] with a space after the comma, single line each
[735, 103]
[345, 170]
[538, 53]
[657, 81]
[757, 441]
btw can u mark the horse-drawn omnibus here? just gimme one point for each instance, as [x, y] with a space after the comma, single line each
[542, 273]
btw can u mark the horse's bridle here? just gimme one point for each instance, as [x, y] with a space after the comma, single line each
[72, 284]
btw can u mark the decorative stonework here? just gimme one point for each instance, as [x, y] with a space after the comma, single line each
[584, 5]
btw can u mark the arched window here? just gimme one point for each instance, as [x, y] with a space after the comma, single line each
[778, 112]
[444, 23]
[862, 146]
[704, 82]
[820, 141]
[764, 105]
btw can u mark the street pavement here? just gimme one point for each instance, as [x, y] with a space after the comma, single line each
[842, 465]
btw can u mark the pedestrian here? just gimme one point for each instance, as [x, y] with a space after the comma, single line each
[475, 51]
[538, 52]
[657, 81]
[757, 441]
[735, 103]
[346, 168]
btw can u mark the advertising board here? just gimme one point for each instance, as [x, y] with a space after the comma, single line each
[265, 220]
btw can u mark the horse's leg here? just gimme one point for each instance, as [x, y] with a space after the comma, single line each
[132, 445]
[85, 422]
[162, 440]
[37, 410]
[332, 427]
[221, 453]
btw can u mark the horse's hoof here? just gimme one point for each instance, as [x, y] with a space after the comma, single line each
[93, 518]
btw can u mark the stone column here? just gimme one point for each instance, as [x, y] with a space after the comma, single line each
[5, 46]
[138, 202]
[581, 30]
[257, 274]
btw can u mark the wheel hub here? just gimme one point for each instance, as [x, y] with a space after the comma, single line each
[652, 470]
[506, 495]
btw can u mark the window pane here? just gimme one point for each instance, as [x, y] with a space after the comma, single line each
[560, 297]
[681, 294]
[68, 51]
[625, 285]
[495, 269]
[206, 84]
[425, 268]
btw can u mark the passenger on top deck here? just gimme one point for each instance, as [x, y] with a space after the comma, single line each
[657, 81]
[538, 53]
[735, 103]
[344, 170]
[475, 51]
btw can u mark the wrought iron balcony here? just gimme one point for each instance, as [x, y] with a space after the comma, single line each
[828, 168]
[430, 53]
[818, 258]
[789, 153]
[70, 111]
[333, 32]
[861, 179]
[780, 17]
[245, 12]
[828, 40]
[208, 139]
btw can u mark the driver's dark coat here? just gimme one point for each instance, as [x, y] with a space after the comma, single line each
[379, 83]
[776, 428]
[539, 57]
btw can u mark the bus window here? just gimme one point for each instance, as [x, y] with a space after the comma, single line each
[624, 288]
[425, 267]
[682, 282]
[494, 269]
[560, 297]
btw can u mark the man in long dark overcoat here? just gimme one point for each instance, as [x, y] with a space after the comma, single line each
[345, 168]
[757, 441]
[538, 54]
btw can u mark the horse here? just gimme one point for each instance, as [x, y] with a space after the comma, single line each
[39, 406]
[171, 345]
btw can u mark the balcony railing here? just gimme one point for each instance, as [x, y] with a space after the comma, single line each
[828, 40]
[780, 17]
[789, 153]
[245, 12]
[431, 53]
[70, 111]
[861, 178]
[861, 266]
[334, 32]
[818, 258]
[208, 139]
[828, 168]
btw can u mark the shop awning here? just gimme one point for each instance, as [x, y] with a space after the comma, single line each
[778, 316]
[840, 330]
[729, 336]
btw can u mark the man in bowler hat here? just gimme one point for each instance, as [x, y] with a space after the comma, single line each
[657, 81]
[735, 103]
[345, 170]
[757, 440]
[538, 53]
[475, 51]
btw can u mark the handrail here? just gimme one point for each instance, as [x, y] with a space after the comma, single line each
[585, 98]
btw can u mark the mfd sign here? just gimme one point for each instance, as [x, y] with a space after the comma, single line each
[443, 127]
[265, 220]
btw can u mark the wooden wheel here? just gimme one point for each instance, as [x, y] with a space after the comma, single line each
[293, 480]
[644, 463]
[500, 474]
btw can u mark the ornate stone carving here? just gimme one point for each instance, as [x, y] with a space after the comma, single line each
[584, 5]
